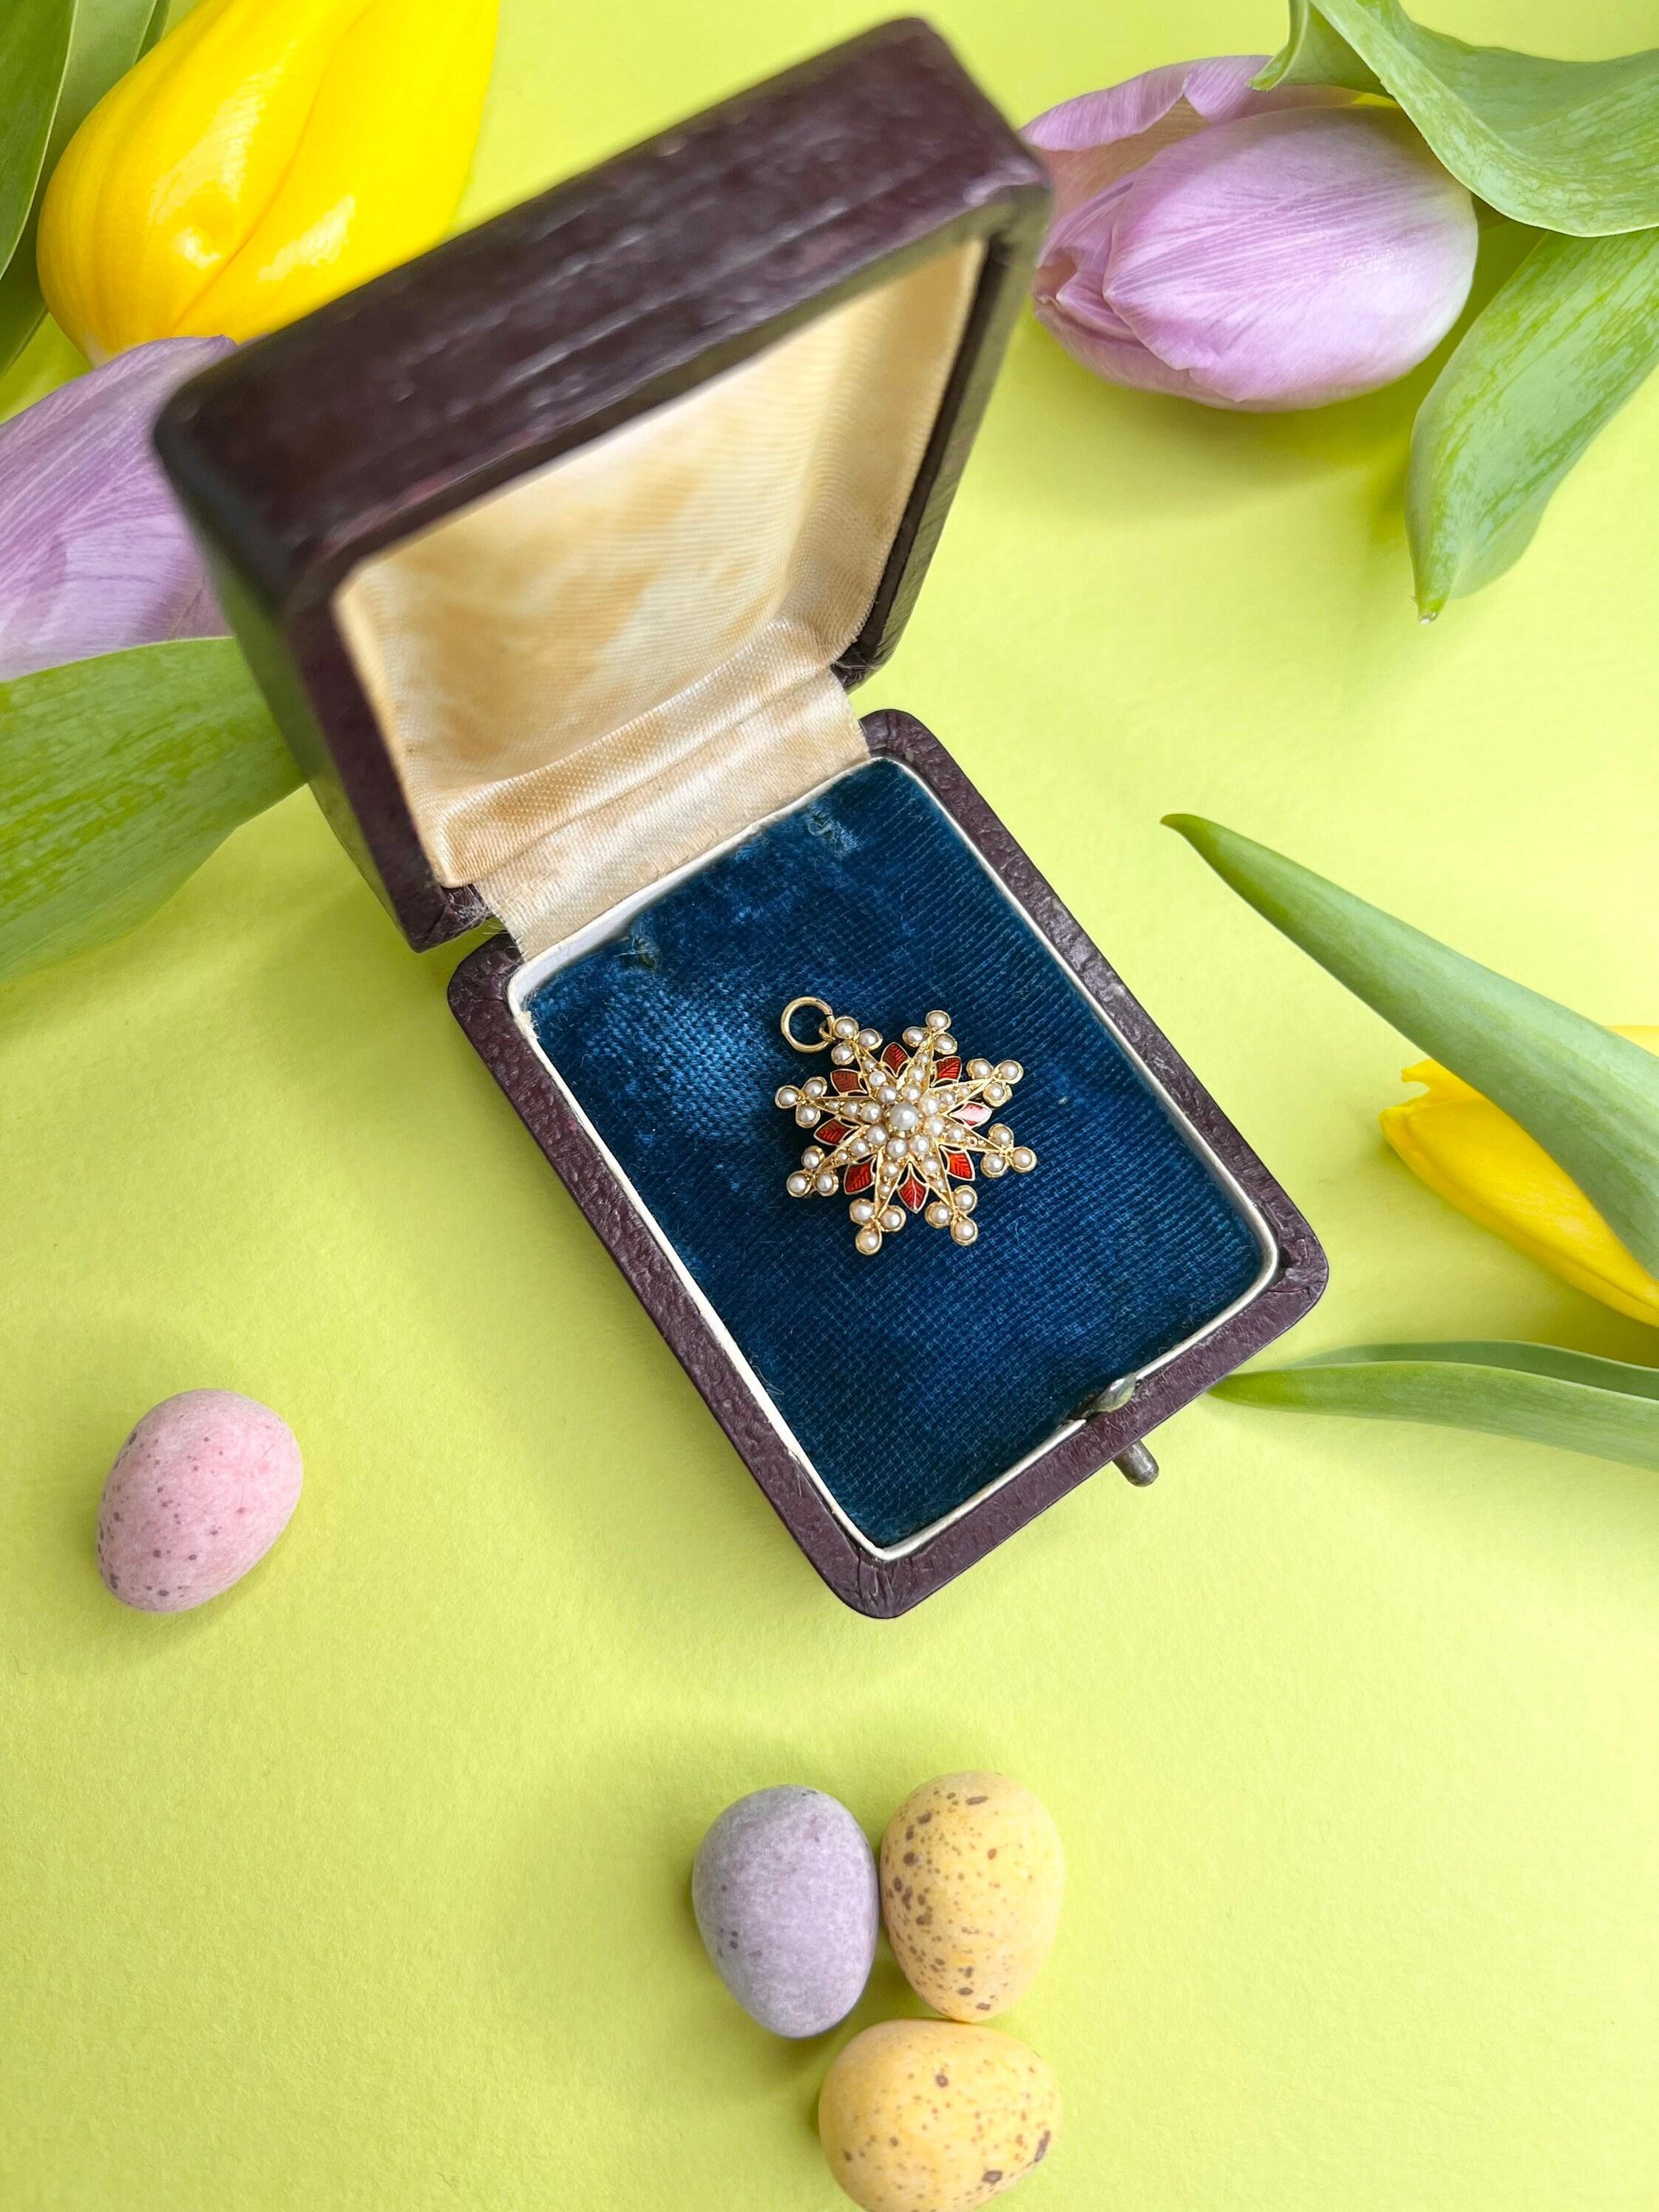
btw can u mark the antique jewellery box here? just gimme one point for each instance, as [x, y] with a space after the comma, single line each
[557, 554]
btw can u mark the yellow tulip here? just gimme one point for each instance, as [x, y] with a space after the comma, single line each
[267, 156]
[1472, 1153]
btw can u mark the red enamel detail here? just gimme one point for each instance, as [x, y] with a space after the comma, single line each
[947, 1071]
[894, 1056]
[913, 1192]
[831, 1132]
[858, 1178]
[846, 1080]
[959, 1164]
[974, 1113]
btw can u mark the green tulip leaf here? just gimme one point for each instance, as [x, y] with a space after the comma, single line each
[110, 36]
[1545, 365]
[1565, 145]
[58, 59]
[120, 775]
[35, 49]
[1314, 52]
[1591, 1098]
[22, 307]
[1603, 1407]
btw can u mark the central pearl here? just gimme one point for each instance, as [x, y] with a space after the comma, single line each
[904, 1117]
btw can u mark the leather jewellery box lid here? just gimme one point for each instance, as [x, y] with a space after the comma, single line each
[556, 553]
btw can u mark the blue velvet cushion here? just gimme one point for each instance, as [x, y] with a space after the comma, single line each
[913, 1377]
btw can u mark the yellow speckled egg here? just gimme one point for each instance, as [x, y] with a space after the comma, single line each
[926, 2116]
[971, 1878]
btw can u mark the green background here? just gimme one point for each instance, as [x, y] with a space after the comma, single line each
[366, 1887]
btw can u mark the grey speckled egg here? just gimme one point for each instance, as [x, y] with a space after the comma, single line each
[784, 1890]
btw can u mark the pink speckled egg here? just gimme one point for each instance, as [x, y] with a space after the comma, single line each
[199, 1494]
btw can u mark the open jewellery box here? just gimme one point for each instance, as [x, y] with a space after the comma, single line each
[556, 553]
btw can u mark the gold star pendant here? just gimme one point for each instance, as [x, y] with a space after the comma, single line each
[896, 1126]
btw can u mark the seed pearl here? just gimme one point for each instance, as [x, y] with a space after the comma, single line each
[878, 1133]
[788, 1096]
[868, 1240]
[814, 1087]
[798, 1184]
[904, 1117]
[912, 1037]
[996, 1094]
[911, 1092]
[896, 1148]
[979, 1069]
[1022, 1160]
[964, 1232]
[812, 1156]
[921, 1146]
[887, 1094]
[870, 1113]
[1010, 1070]
[861, 1210]
[869, 1039]
[827, 1183]
[993, 1164]
[939, 1020]
[932, 1124]
[946, 1043]
[939, 1215]
[808, 1116]
[842, 1055]
[845, 1026]
[892, 1219]
[858, 1150]
[999, 1134]
[966, 1201]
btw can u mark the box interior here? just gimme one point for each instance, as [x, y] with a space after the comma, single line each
[914, 1379]
[594, 675]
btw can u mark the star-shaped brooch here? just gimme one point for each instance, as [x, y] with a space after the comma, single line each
[896, 1126]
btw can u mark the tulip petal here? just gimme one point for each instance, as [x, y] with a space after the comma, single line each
[1088, 142]
[1105, 343]
[122, 774]
[94, 553]
[1480, 1160]
[411, 91]
[1567, 146]
[1070, 300]
[57, 59]
[1590, 1098]
[1290, 260]
[261, 159]
[1606, 1408]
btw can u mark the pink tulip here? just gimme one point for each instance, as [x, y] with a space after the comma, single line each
[94, 554]
[1260, 250]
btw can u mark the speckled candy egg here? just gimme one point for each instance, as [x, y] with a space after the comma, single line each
[199, 1494]
[971, 1878]
[925, 2116]
[784, 1890]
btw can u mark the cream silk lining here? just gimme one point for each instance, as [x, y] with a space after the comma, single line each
[590, 678]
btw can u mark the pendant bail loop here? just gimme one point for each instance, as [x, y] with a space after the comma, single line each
[822, 1038]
